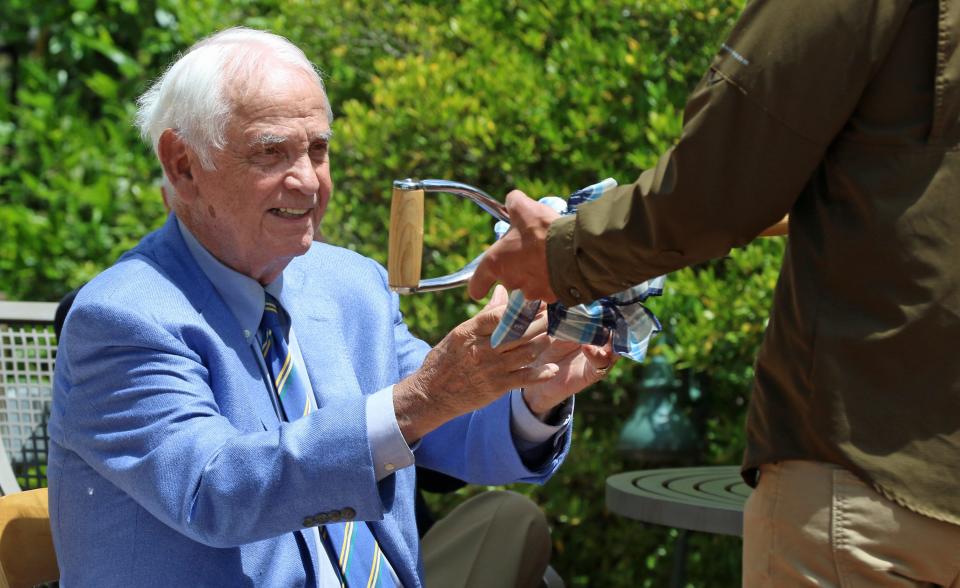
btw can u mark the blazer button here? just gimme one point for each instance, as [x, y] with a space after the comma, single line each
[309, 522]
[333, 516]
[348, 514]
[574, 293]
[321, 518]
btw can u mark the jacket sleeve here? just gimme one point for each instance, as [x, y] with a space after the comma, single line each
[479, 448]
[782, 86]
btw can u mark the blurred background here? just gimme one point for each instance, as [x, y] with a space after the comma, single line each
[547, 97]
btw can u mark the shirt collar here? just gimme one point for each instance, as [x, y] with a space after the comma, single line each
[242, 294]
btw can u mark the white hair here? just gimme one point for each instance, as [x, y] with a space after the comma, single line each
[191, 96]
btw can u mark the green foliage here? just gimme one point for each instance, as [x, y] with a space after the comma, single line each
[544, 96]
[34, 477]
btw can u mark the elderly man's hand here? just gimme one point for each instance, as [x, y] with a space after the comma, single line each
[519, 259]
[579, 366]
[464, 373]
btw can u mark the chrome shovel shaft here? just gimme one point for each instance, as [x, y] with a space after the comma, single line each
[481, 198]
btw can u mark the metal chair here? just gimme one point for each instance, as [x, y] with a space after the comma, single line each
[28, 349]
[8, 480]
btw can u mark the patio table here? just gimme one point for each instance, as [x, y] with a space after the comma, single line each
[707, 498]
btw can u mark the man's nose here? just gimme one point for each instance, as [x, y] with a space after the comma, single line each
[302, 176]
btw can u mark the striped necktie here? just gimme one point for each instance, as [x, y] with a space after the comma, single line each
[351, 545]
[286, 381]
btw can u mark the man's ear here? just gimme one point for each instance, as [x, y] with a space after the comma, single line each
[178, 164]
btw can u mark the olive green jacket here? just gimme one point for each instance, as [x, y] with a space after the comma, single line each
[843, 113]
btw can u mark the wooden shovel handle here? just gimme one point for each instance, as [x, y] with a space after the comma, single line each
[406, 238]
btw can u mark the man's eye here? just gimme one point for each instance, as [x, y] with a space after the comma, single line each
[271, 150]
[318, 149]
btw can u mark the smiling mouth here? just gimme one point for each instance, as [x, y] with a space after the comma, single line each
[290, 212]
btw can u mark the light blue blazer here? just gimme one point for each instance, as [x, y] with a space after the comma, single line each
[168, 464]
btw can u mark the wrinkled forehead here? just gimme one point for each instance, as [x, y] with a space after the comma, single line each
[278, 103]
[266, 81]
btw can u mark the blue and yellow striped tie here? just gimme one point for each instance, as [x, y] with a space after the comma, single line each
[361, 562]
[355, 550]
[286, 381]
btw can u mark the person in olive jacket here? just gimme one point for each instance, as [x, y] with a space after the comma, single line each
[845, 115]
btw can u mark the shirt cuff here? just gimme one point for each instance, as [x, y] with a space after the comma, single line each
[566, 280]
[529, 432]
[389, 450]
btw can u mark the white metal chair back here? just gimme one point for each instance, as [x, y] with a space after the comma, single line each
[28, 350]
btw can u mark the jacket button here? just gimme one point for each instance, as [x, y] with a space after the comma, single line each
[309, 522]
[348, 514]
[574, 293]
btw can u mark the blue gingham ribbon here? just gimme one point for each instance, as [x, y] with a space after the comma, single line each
[623, 314]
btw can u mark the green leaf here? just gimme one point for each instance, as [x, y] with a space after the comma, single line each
[103, 85]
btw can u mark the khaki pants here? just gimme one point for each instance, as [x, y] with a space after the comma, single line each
[815, 524]
[497, 539]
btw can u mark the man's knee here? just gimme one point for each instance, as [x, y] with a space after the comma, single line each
[496, 538]
[517, 513]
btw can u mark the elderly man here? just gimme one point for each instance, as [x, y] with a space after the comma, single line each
[235, 404]
[846, 113]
